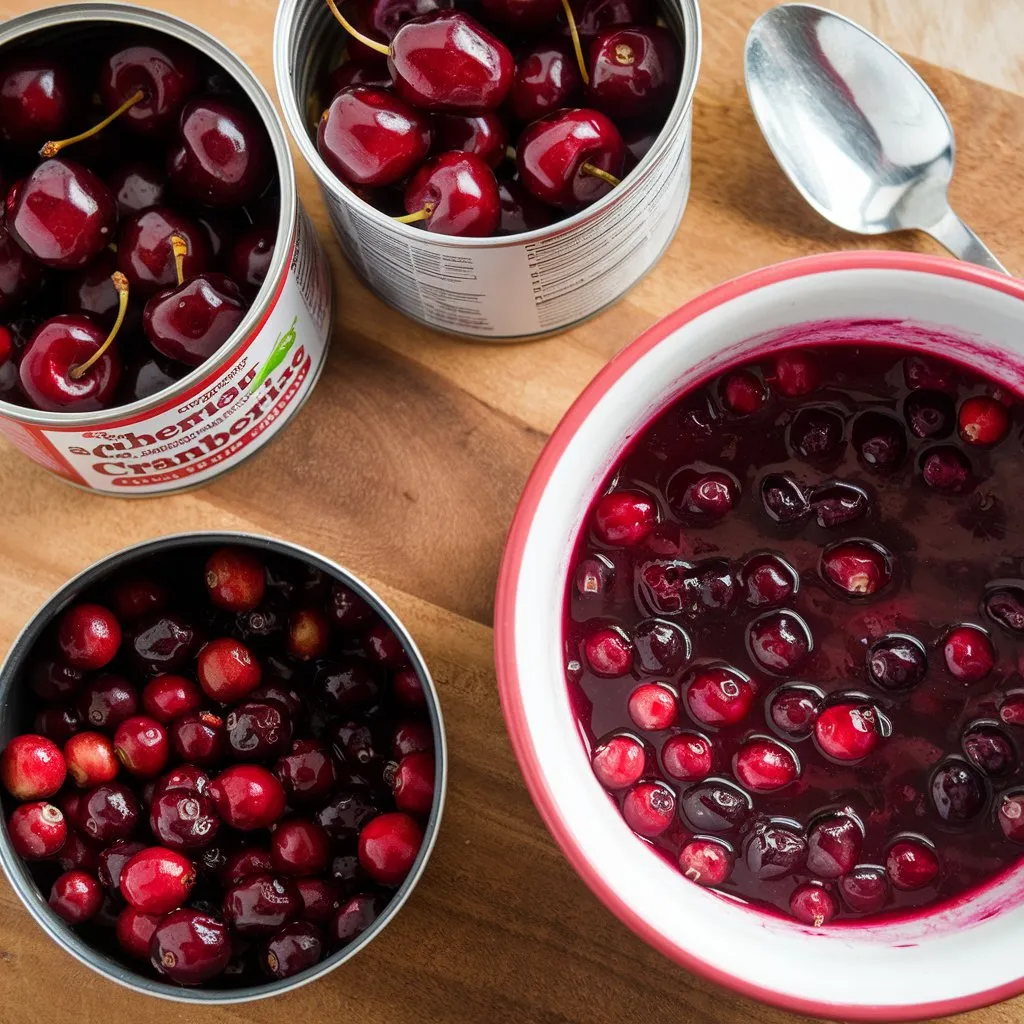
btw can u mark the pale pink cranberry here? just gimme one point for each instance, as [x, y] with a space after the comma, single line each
[1011, 711]
[847, 732]
[1011, 816]
[719, 696]
[779, 641]
[609, 652]
[688, 757]
[793, 709]
[743, 393]
[706, 861]
[619, 762]
[946, 469]
[833, 845]
[796, 373]
[767, 579]
[624, 518]
[764, 766]
[812, 904]
[594, 576]
[857, 568]
[911, 864]
[865, 889]
[968, 653]
[983, 421]
[649, 808]
[653, 706]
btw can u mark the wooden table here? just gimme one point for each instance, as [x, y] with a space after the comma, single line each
[405, 466]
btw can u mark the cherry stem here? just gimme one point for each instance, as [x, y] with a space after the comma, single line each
[121, 285]
[596, 172]
[180, 249]
[411, 218]
[575, 41]
[355, 33]
[51, 149]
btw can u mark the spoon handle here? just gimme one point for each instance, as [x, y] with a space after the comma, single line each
[963, 243]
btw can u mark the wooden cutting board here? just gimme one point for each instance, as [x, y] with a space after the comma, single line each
[405, 466]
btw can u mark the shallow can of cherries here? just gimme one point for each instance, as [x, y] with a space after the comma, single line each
[165, 304]
[222, 766]
[497, 169]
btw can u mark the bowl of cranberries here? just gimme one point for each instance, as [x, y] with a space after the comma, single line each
[760, 635]
[222, 765]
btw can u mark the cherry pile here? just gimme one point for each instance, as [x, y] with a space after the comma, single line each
[227, 766]
[498, 121]
[138, 217]
[795, 632]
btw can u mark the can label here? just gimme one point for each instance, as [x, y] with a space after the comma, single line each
[520, 290]
[239, 406]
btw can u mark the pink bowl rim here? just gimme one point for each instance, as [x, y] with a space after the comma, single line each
[508, 579]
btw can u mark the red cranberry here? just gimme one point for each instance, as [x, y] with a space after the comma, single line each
[929, 414]
[190, 947]
[135, 597]
[183, 820]
[354, 918]
[880, 441]
[234, 579]
[248, 797]
[142, 746]
[779, 641]
[608, 652]
[109, 812]
[958, 792]
[307, 774]
[847, 732]
[865, 889]
[743, 393]
[687, 757]
[89, 636]
[857, 568]
[660, 647]
[707, 495]
[715, 806]
[76, 897]
[58, 724]
[388, 845]
[624, 518]
[717, 588]
[52, 680]
[292, 949]
[812, 904]
[346, 814]
[653, 706]
[413, 783]
[784, 499]
[1011, 816]
[796, 374]
[816, 433]
[162, 642]
[411, 738]
[134, 931]
[772, 850]
[299, 847]
[911, 864]
[989, 749]
[168, 697]
[157, 880]
[946, 469]
[983, 421]
[897, 662]
[243, 864]
[185, 778]
[833, 845]
[309, 633]
[32, 767]
[107, 701]
[793, 709]
[90, 759]
[321, 898]
[258, 731]
[719, 696]
[705, 861]
[764, 766]
[261, 904]
[37, 830]
[837, 503]
[227, 670]
[768, 579]
[112, 860]
[547, 79]
[649, 808]
[968, 653]
[200, 738]
[619, 762]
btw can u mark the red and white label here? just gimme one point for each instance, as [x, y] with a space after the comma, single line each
[221, 420]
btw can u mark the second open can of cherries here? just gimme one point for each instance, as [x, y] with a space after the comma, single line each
[171, 404]
[513, 284]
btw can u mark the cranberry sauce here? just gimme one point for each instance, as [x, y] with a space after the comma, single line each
[794, 627]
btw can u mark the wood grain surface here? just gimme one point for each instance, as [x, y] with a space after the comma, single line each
[405, 466]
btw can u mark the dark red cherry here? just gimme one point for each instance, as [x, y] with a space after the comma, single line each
[447, 61]
[37, 97]
[768, 579]
[371, 71]
[251, 255]
[383, 18]
[865, 889]
[547, 78]
[634, 72]
[594, 16]
[484, 135]
[522, 15]
[164, 71]
[199, 737]
[52, 679]
[222, 156]
[258, 731]
[184, 820]
[136, 186]
[56, 353]
[457, 194]
[779, 641]
[145, 255]
[958, 792]
[989, 749]
[189, 323]
[793, 709]
[91, 292]
[772, 850]
[897, 662]
[714, 806]
[107, 701]
[293, 948]
[660, 646]
[261, 904]
[108, 812]
[145, 375]
[368, 136]
[558, 155]
[20, 274]
[76, 897]
[519, 210]
[308, 774]
[63, 214]
[705, 496]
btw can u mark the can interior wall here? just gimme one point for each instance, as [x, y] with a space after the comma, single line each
[11, 706]
[537, 281]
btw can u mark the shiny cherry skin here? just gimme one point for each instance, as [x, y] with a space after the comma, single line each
[37, 830]
[20, 274]
[307, 772]
[291, 949]
[222, 155]
[234, 578]
[63, 214]
[190, 947]
[107, 701]
[112, 860]
[388, 845]
[552, 151]
[89, 636]
[634, 72]
[248, 797]
[189, 323]
[157, 880]
[76, 897]
[142, 746]
[413, 783]
[90, 292]
[519, 210]
[184, 821]
[260, 904]
[547, 78]
[447, 61]
[368, 136]
[136, 186]
[383, 18]
[37, 98]
[168, 697]
[523, 15]
[371, 71]
[484, 135]
[166, 72]
[595, 16]
[144, 253]
[161, 642]
[57, 347]
[134, 931]
[90, 759]
[300, 847]
[200, 738]
[352, 919]
[108, 813]
[227, 670]
[459, 193]
[251, 255]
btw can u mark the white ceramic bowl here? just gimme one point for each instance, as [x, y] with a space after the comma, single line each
[960, 956]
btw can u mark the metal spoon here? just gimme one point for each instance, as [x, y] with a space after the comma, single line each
[859, 133]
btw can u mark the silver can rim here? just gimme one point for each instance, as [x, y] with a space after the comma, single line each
[294, 117]
[20, 29]
[113, 970]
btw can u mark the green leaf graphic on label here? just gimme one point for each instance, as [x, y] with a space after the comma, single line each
[281, 348]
